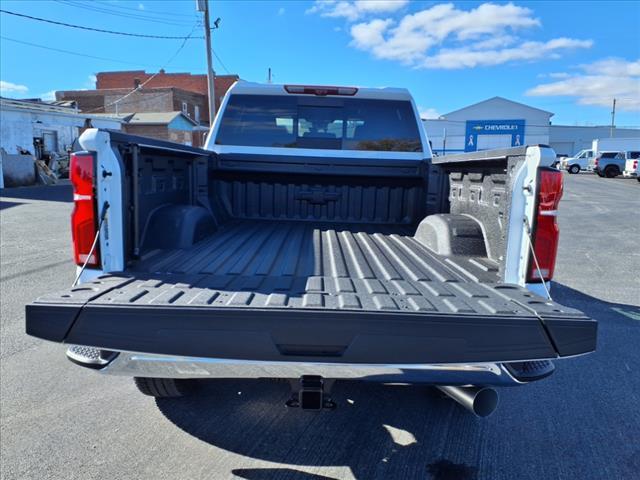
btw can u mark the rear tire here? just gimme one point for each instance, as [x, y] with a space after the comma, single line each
[574, 169]
[611, 171]
[162, 387]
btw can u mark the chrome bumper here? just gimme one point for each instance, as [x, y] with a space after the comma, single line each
[164, 366]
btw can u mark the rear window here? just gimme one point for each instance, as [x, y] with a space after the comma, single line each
[319, 123]
[634, 155]
[609, 155]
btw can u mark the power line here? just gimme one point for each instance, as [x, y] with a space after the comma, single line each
[129, 102]
[143, 18]
[80, 27]
[151, 12]
[78, 54]
[221, 62]
[184, 42]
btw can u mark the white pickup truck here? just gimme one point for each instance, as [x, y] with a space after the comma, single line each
[315, 238]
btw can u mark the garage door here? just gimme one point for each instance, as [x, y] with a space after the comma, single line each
[488, 142]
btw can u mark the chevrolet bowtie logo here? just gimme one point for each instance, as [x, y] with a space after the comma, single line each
[478, 127]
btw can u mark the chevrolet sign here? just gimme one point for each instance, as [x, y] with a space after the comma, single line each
[475, 128]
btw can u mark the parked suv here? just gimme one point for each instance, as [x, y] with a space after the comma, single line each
[609, 164]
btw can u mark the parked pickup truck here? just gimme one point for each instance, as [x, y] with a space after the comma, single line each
[315, 238]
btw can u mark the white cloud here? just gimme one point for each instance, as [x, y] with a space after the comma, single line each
[445, 36]
[598, 83]
[48, 96]
[470, 57]
[353, 10]
[428, 112]
[281, 11]
[8, 88]
[366, 34]
[558, 75]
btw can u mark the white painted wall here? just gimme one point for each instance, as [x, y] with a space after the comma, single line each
[19, 127]
[569, 140]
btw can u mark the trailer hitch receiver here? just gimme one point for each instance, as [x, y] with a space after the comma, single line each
[311, 392]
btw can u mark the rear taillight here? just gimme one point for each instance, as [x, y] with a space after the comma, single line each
[320, 91]
[545, 234]
[635, 164]
[84, 219]
[596, 161]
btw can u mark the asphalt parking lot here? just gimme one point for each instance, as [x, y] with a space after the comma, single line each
[61, 421]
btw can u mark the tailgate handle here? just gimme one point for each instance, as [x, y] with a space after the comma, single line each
[311, 350]
[318, 196]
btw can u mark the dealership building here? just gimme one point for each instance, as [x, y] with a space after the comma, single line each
[501, 123]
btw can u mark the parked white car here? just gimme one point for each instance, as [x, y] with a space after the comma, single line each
[582, 161]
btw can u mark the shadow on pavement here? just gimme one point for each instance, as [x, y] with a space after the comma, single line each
[393, 431]
[368, 433]
[50, 193]
[595, 308]
[270, 473]
[5, 205]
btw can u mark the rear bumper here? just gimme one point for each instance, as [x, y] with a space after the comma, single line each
[630, 174]
[167, 366]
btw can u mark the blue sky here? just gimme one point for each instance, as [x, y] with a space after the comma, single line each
[570, 58]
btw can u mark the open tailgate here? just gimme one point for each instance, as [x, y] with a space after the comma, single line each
[168, 314]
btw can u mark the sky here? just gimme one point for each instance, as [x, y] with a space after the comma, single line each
[571, 58]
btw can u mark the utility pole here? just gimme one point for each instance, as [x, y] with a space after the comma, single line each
[269, 75]
[444, 141]
[613, 118]
[203, 6]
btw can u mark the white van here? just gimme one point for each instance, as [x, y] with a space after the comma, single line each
[583, 160]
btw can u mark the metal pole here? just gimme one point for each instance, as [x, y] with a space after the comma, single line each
[269, 76]
[613, 118]
[444, 141]
[211, 75]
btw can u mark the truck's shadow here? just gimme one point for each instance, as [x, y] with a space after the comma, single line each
[386, 431]
[62, 192]
[376, 428]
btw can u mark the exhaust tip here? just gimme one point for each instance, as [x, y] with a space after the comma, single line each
[485, 402]
[481, 401]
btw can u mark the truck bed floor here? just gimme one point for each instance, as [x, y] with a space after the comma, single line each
[309, 265]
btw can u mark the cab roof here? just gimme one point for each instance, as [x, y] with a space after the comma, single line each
[252, 88]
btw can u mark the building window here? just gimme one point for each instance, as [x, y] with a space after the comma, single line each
[185, 108]
[136, 83]
[196, 113]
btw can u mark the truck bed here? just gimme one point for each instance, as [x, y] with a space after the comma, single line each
[291, 264]
[294, 290]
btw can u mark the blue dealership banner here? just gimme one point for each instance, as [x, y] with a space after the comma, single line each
[515, 128]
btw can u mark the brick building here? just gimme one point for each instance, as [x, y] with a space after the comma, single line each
[164, 99]
[172, 126]
[184, 81]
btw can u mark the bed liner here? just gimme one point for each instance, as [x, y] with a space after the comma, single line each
[306, 290]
